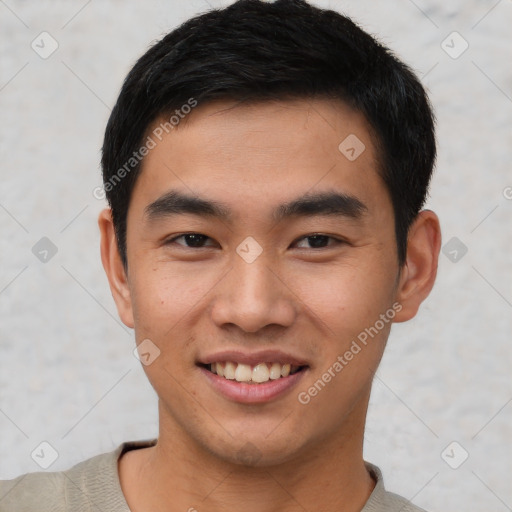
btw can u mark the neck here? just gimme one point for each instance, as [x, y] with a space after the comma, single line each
[178, 475]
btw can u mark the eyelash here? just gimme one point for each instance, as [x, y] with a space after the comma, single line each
[312, 235]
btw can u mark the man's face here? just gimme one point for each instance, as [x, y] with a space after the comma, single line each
[262, 284]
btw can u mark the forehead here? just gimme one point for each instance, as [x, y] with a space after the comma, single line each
[262, 153]
[311, 126]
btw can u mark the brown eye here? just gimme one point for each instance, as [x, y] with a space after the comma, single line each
[192, 240]
[320, 241]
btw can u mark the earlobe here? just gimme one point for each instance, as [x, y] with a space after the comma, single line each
[114, 268]
[419, 272]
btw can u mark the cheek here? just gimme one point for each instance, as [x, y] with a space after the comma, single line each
[347, 297]
[166, 299]
[163, 295]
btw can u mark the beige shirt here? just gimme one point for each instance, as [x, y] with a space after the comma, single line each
[93, 486]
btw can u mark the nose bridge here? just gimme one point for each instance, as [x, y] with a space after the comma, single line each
[252, 296]
[254, 281]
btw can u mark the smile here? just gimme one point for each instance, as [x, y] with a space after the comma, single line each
[257, 374]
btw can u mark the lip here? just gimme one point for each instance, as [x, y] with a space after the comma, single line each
[245, 393]
[253, 358]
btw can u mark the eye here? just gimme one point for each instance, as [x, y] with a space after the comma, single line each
[197, 241]
[192, 240]
[319, 241]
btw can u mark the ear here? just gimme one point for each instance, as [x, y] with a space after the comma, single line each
[114, 268]
[420, 269]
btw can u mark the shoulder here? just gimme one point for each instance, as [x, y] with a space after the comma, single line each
[25, 493]
[393, 502]
[92, 484]
[385, 501]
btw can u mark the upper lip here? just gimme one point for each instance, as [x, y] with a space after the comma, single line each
[253, 358]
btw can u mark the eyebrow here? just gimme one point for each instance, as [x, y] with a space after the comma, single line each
[329, 203]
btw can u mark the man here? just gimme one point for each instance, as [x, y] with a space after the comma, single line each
[265, 166]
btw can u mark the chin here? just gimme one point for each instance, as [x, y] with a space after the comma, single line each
[257, 450]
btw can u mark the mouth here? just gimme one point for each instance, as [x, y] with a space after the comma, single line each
[259, 373]
[253, 378]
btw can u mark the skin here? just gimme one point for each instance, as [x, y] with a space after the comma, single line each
[311, 302]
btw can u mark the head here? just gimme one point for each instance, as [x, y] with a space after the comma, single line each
[257, 126]
[256, 51]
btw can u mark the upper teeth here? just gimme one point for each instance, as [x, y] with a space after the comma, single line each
[262, 372]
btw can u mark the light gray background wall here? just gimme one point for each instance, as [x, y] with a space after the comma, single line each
[67, 372]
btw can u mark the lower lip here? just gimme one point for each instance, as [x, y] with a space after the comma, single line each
[252, 393]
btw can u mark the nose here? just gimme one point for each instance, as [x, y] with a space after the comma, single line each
[252, 296]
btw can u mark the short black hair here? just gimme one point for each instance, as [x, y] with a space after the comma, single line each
[254, 51]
